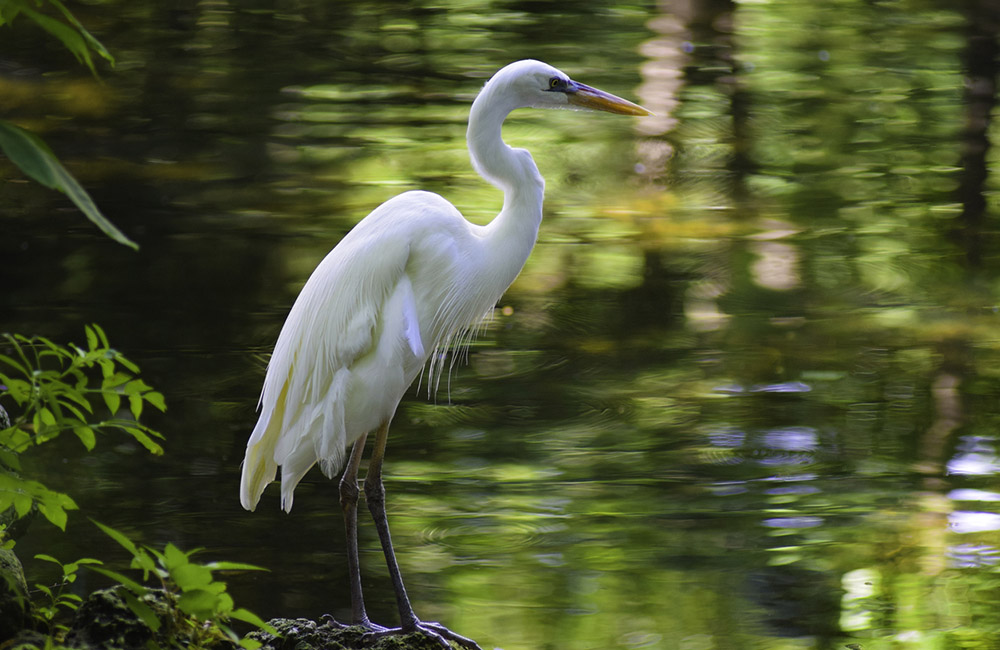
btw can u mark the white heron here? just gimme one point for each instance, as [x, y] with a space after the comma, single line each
[408, 281]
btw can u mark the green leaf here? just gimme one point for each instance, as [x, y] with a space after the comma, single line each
[53, 506]
[55, 514]
[101, 335]
[225, 602]
[16, 439]
[234, 566]
[86, 436]
[91, 41]
[113, 400]
[121, 538]
[136, 386]
[191, 576]
[145, 440]
[47, 417]
[91, 337]
[143, 611]
[135, 405]
[249, 617]
[156, 399]
[250, 644]
[72, 409]
[22, 504]
[107, 367]
[199, 603]
[142, 561]
[10, 459]
[174, 557]
[47, 558]
[116, 381]
[35, 159]
[19, 389]
[123, 580]
[128, 364]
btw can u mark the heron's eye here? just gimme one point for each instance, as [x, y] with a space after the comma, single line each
[555, 83]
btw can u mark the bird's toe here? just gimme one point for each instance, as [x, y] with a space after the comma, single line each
[441, 633]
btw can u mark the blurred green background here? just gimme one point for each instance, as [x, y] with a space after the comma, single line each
[745, 394]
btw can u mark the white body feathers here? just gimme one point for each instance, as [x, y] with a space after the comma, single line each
[405, 282]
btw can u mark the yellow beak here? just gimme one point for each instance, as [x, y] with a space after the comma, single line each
[591, 98]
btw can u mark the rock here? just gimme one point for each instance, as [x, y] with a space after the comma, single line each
[13, 596]
[305, 634]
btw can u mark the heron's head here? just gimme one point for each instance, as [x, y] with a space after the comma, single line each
[531, 83]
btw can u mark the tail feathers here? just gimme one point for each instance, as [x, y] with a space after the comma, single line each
[259, 465]
[258, 471]
[295, 435]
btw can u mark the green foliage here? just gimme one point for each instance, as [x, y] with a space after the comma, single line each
[56, 598]
[61, 388]
[198, 598]
[69, 30]
[89, 391]
[34, 158]
[191, 609]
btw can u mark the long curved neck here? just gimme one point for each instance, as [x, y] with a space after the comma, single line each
[515, 229]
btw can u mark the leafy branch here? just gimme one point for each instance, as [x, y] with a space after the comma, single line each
[57, 599]
[197, 597]
[55, 389]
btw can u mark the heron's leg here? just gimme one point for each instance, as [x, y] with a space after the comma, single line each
[349, 503]
[375, 496]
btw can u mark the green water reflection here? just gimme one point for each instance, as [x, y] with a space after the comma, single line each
[744, 394]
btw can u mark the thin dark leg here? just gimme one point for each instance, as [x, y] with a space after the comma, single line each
[375, 496]
[349, 503]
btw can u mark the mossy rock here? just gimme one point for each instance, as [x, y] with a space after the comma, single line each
[305, 634]
[13, 595]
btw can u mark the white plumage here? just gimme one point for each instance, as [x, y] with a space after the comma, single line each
[402, 284]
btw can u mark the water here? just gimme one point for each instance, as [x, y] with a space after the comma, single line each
[743, 395]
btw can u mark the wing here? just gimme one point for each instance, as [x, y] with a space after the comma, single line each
[343, 335]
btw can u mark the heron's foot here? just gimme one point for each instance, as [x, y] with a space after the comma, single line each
[436, 631]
